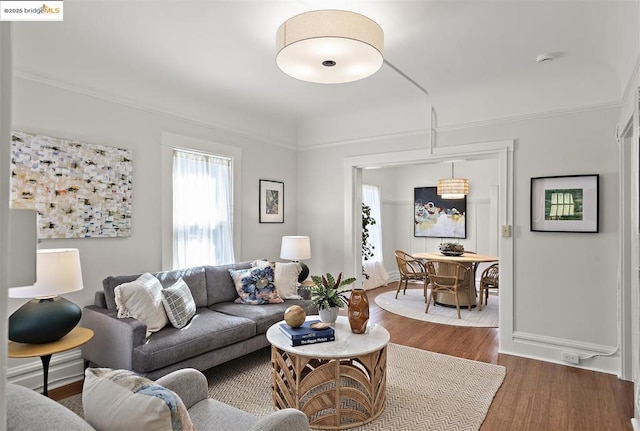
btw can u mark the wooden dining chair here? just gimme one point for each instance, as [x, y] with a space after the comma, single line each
[490, 279]
[411, 269]
[446, 277]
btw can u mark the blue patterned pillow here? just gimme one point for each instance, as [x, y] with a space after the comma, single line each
[255, 286]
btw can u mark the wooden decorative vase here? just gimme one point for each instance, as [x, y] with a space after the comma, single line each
[358, 311]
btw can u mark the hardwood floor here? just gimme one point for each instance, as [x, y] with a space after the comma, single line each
[535, 395]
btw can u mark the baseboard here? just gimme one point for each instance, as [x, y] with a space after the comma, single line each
[593, 357]
[65, 368]
[635, 423]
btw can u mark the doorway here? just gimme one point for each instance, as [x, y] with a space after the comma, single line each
[500, 151]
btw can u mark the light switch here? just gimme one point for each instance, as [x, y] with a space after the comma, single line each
[506, 230]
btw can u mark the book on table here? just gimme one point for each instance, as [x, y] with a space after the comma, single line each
[305, 334]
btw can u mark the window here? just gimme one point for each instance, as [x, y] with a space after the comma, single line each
[371, 198]
[202, 209]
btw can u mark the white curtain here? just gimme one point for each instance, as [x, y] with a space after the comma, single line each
[202, 210]
[374, 266]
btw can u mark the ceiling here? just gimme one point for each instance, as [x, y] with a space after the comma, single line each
[476, 59]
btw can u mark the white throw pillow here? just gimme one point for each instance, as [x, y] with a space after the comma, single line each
[142, 300]
[120, 400]
[178, 303]
[286, 279]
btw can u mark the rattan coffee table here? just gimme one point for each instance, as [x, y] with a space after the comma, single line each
[339, 384]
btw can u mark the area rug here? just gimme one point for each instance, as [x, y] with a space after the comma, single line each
[425, 390]
[412, 305]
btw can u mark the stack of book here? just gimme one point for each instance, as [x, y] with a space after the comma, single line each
[305, 334]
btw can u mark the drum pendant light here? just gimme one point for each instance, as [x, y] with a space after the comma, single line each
[453, 188]
[329, 46]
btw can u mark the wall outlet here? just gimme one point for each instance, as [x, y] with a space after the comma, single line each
[572, 358]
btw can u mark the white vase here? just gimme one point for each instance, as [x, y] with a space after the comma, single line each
[329, 315]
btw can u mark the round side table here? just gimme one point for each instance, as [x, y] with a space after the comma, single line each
[76, 338]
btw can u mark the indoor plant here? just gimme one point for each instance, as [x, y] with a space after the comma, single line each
[328, 294]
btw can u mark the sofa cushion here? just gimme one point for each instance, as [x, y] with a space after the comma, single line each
[285, 277]
[220, 286]
[255, 286]
[194, 277]
[120, 400]
[178, 303]
[207, 331]
[265, 315]
[142, 300]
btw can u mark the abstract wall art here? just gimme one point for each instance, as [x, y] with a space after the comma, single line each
[79, 190]
[436, 217]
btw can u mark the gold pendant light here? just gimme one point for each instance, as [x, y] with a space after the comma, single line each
[453, 188]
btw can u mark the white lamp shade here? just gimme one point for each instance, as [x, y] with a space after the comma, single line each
[295, 248]
[329, 46]
[58, 271]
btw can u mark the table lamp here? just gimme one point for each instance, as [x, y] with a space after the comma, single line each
[296, 248]
[48, 317]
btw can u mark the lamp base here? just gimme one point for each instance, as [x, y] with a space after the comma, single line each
[304, 273]
[42, 321]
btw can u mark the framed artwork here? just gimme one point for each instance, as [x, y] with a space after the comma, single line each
[79, 190]
[436, 217]
[565, 203]
[271, 201]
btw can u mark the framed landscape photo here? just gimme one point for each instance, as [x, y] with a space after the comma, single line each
[436, 217]
[565, 203]
[271, 201]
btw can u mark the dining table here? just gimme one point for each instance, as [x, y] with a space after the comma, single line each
[470, 261]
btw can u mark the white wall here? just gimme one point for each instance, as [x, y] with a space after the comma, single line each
[57, 112]
[564, 285]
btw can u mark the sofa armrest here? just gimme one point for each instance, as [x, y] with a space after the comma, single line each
[285, 419]
[99, 299]
[113, 339]
[28, 410]
[190, 385]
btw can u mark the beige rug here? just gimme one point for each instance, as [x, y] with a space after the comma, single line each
[425, 390]
[412, 305]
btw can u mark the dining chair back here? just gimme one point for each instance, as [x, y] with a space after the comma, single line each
[448, 277]
[490, 279]
[411, 269]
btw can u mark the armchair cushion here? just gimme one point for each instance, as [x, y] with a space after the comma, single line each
[122, 400]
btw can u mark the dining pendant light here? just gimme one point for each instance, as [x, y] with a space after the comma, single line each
[329, 46]
[453, 188]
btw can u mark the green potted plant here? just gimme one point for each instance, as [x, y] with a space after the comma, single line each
[451, 248]
[367, 247]
[328, 294]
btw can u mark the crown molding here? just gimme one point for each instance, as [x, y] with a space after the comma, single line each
[516, 118]
[151, 110]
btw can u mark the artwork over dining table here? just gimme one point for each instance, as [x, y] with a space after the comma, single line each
[79, 190]
[436, 217]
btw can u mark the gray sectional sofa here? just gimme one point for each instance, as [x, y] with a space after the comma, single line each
[220, 331]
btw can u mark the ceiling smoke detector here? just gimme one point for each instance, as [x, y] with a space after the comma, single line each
[544, 58]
